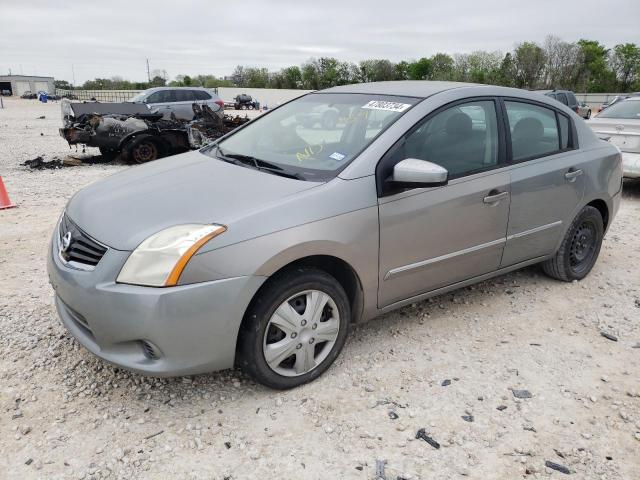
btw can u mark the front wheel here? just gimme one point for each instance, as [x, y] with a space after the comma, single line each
[579, 249]
[294, 329]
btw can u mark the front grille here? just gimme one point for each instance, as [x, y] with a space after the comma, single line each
[76, 247]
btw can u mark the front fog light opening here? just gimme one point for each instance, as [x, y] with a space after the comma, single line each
[150, 350]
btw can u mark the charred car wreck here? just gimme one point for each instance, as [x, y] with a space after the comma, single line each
[140, 134]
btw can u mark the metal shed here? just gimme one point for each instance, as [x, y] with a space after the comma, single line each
[19, 84]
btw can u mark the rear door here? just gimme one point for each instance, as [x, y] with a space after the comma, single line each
[547, 181]
[434, 237]
[183, 105]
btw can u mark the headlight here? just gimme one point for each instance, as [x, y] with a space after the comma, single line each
[161, 258]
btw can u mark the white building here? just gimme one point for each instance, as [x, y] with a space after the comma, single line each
[19, 84]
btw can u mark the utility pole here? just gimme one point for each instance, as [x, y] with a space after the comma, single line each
[148, 73]
[73, 75]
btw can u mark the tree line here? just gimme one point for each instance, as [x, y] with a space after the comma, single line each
[582, 66]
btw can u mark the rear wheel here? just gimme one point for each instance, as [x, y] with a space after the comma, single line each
[579, 249]
[294, 329]
[144, 148]
[588, 114]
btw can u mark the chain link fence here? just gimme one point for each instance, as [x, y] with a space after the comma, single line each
[99, 95]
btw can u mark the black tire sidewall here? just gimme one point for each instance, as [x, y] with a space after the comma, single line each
[252, 334]
[588, 214]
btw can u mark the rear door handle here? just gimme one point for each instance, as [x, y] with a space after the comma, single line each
[495, 196]
[572, 174]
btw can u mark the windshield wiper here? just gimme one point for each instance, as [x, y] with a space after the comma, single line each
[258, 164]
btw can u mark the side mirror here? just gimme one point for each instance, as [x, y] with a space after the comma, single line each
[412, 173]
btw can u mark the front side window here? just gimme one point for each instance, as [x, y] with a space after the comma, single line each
[314, 136]
[534, 130]
[163, 96]
[463, 139]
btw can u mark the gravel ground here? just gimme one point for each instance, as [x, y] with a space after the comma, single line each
[452, 366]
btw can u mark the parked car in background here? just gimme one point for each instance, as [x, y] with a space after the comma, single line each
[566, 97]
[179, 101]
[262, 249]
[584, 111]
[5, 93]
[617, 99]
[620, 123]
[28, 95]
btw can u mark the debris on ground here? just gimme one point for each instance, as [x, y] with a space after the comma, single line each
[39, 163]
[393, 415]
[380, 465]
[557, 467]
[446, 383]
[423, 435]
[71, 161]
[609, 336]
[501, 407]
[521, 393]
[41, 117]
[468, 418]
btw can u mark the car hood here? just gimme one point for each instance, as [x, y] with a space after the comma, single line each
[124, 209]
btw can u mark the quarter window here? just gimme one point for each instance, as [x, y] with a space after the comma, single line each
[201, 95]
[463, 139]
[563, 122]
[534, 130]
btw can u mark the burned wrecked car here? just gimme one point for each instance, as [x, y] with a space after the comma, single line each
[138, 133]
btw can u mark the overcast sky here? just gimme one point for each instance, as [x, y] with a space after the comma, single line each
[107, 38]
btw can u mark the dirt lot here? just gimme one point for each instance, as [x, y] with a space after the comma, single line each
[448, 366]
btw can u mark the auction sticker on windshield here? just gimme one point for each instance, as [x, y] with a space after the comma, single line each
[388, 106]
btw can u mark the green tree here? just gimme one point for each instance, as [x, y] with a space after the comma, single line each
[441, 67]
[625, 61]
[595, 74]
[420, 69]
[529, 63]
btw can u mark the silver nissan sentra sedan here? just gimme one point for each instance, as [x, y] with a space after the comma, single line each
[261, 249]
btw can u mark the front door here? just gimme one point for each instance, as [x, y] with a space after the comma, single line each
[431, 238]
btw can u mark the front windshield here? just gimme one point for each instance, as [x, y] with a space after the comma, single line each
[137, 98]
[315, 136]
[628, 109]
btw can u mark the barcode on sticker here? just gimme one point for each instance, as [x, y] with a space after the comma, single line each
[389, 106]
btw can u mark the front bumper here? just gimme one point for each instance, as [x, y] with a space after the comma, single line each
[631, 165]
[156, 331]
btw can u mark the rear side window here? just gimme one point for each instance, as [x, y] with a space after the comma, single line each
[563, 98]
[201, 95]
[184, 95]
[534, 130]
[572, 98]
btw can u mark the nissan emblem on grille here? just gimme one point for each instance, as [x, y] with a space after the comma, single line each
[66, 242]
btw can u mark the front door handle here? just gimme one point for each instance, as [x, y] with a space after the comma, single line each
[494, 197]
[572, 174]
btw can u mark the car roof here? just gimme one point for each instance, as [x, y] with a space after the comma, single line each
[157, 89]
[408, 88]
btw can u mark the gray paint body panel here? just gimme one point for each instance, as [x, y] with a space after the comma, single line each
[402, 248]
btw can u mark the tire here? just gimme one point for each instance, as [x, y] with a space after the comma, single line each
[144, 148]
[292, 293]
[579, 249]
[588, 114]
